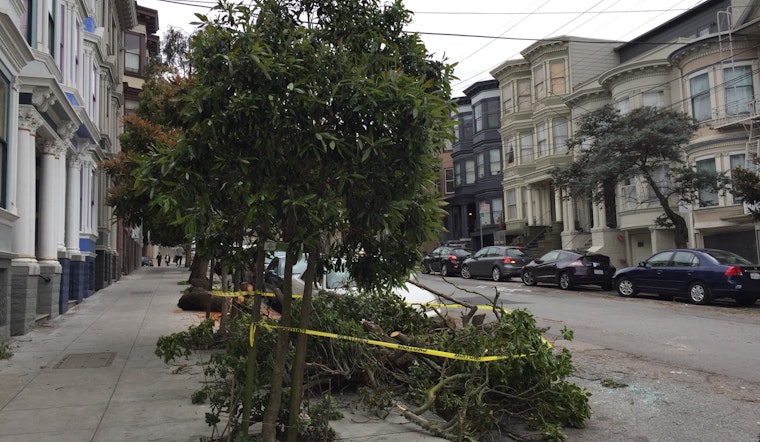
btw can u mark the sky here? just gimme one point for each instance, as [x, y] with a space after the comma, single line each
[479, 35]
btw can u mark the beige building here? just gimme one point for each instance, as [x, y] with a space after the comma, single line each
[703, 62]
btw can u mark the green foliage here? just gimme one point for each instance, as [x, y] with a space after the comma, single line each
[531, 384]
[5, 352]
[746, 185]
[610, 148]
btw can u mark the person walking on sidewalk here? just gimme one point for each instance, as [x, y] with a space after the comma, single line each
[179, 252]
[158, 258]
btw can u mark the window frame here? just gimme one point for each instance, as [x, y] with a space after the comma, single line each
[469, 171]
[494, 164]
[5, 93]
[733, 84]
[703, 195]
[539, 82]
[140, 70]
[448, 180]
[542, 139]
[480, 165]
[559, 139]
[524, 98]
[556, 81]
[701, 98]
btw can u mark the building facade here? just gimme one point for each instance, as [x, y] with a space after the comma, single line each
[61, 103]
[476, 210]
[703, 62]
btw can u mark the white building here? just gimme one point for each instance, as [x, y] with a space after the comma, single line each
[61, 68]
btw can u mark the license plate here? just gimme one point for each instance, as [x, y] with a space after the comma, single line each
[754, 275]
[601, 272]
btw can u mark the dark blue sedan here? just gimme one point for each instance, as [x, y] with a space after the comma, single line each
[699, 274]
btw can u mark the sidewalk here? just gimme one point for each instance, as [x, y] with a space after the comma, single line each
[92, 375]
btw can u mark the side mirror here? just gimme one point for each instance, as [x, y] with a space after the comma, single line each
[643, 264]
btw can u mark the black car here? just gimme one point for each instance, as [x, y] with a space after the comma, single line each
[699, 274]
[495, 262]
[567, 268]
[445, 260]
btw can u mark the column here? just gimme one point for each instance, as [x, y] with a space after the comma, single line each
[29, 121]
[558, 204]
[73, 199]
[48, 207]
[570, 215]
[529, 215]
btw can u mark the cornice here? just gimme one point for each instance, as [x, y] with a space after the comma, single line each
[511, 67]
[13, 44]
[631, 71]
[545, 47]
[590, 95]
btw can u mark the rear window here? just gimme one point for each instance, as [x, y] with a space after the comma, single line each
[461, 252]
[516, 253]
[728, 258]
[601, 259]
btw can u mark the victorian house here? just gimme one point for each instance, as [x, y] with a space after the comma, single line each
[61, 100]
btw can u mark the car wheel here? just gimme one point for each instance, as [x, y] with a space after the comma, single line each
[746, 301]
[699, 293]
[565, 282]
[466, 272]
[496, 274]
[444, 270]
[625, 287]
[425, 268]
[528, 278]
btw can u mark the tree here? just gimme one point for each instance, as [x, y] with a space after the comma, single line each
[745, 184]
[322, 119]
[646, 144]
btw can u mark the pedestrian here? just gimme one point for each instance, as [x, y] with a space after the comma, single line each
[167, 259]
[179, 252]
[158, 258]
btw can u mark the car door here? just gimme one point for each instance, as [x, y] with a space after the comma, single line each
[439, 255]
[683, 266]
[546, 267]
[651, 276]
[478, 263]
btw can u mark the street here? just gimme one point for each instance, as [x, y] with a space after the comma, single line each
[685, 372]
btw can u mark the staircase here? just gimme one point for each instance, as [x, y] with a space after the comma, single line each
[540, 239]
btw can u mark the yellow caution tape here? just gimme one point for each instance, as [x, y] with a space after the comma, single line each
[246, 293]
[443, 354]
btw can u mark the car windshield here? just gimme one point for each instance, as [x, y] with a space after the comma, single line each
[516, 253]
[728, 258]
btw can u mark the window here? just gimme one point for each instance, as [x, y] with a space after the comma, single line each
[495, 160]
[659, 260]
[739, 93]
[557, 76]
[539, 82]
[629, 193]
[559, 131]
[62, 39]
[700, 97]
[497, 210]
[707, 196]
[465, 126]
[653, 98]
[510, 150]
[480, 163]
[685, 259]
[487, 114]
[660, 177]
[737, 160]
[132, 51]
[543, 146]
[4, 104]
[51, 27]
[523, 95]
[458, 174]
[448, 180]
[623, 105]
[469, 171]
[526, 148]
[506, 97]
[512, 204]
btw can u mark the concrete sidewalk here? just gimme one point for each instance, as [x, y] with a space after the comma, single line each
[92, 375]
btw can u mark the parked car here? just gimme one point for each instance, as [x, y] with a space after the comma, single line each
[147, 261]
[445, 260]
[274, 276]
[568, 268]
[495, 262]
[699, 274]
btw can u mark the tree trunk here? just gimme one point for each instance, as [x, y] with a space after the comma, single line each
[269, 422]
[250, 366]
[296, 389]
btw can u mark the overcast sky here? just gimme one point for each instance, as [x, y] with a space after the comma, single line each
[481, 34]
